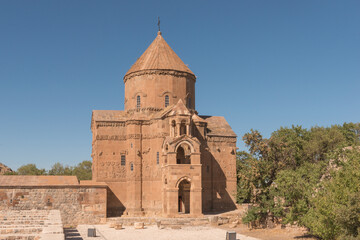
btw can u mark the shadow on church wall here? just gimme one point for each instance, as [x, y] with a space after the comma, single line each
[115, 208]
[216, 198]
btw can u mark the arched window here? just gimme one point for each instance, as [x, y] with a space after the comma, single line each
[183, 128]
[123, 160]
[138, 102]
[183, 155]
[131, 166]
[166, 100]
[173, 128]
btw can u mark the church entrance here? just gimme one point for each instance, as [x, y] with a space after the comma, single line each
[184, 197]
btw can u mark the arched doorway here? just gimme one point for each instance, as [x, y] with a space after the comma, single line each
[184, 196]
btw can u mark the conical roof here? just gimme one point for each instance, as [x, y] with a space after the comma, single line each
[159, 56]
[179, 109]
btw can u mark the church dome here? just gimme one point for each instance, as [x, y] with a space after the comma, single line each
[159, 56]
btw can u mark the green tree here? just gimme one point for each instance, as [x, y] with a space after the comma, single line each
[83, 170]
[30, 169]
[281, 173]
[11, 173]
[59, 169]
[294, 188]
[245, 183]
[335, 206]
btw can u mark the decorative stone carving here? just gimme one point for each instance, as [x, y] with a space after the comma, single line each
[221, 139]
[146, 151]
[159, 72]
[156, 135]
[147, 109]
[111, 170]
[110, 124]
[111, 137]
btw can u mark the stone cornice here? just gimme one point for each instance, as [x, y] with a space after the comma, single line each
[131, 136]
[133, 122]
[229, 139]
[110, 124]
[147, 109]
[159, 72]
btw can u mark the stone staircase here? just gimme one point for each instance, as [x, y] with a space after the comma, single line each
[30, 225]
[231, 218]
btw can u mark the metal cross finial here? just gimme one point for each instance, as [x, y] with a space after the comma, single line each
[159, 23]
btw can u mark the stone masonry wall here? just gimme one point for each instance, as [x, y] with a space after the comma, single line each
[78, 205]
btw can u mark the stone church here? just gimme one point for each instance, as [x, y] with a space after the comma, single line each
[159, 156]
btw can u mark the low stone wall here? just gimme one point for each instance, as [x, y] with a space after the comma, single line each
[77, 204]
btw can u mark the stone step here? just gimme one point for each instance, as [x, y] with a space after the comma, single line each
[165, 222]
[20, 237]
[21, 231]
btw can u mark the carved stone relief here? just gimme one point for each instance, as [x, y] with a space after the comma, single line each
[159, 72]
[111, 170]
[110, 124]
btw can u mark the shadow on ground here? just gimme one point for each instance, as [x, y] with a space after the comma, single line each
[72, 234]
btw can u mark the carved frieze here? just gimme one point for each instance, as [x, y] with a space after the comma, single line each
[133, 122]
[221, 139]
[111, 170]
[111, 137]
[110, 124]
[131, 136]
[147, 109]
[159, 72]
[156, 135]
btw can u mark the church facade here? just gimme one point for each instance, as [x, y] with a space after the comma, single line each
[158, 156]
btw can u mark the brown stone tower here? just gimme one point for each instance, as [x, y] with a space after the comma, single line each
[158, 157]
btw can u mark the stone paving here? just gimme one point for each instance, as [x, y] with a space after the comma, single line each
[152, 232]
[31, 225]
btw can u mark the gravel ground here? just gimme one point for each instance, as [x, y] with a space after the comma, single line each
[153, 233]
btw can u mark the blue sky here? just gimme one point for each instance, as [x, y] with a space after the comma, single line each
[261, 64]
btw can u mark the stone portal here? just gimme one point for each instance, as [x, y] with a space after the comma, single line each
[184, 196]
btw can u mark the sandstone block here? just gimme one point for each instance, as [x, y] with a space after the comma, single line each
[233, 225]
[158, 223]
[139, 225]
[118, 226]
[214, 219]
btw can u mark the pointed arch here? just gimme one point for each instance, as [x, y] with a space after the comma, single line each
[192, 149]
[187, 178]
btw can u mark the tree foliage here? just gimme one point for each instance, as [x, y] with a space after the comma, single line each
[281, 175]
[58, 169]
[30, 169]
[334, 211]
[83, 170]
